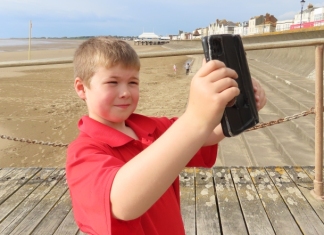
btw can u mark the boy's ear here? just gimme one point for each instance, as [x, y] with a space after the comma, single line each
[79, 88]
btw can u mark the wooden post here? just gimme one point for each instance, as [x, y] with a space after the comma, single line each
[317, 192]
[30, 30]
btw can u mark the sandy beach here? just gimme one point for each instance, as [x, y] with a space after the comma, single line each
[39, 102]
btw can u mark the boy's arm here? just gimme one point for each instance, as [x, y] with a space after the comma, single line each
[260, 98]
[150, 173]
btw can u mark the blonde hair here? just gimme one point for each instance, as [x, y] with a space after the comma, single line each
[103, 51]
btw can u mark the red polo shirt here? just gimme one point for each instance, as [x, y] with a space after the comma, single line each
[92, 162]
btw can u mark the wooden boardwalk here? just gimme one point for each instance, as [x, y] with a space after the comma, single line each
[222, 200]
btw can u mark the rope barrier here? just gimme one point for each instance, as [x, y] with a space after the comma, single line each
[258, 126]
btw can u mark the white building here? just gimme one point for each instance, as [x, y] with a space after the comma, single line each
[257, 25]
[204, 32]
[310, 17]
[212, 28]
[221, 27]
[318, 16]
[283, 25]
[306, 16]
[175, 37]
[242, 28]
[252, 26]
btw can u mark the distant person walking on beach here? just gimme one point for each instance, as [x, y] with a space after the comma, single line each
[187, 68]
[175, 69]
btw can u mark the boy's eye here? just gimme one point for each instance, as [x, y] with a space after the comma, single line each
[112, 82]
[134, 83]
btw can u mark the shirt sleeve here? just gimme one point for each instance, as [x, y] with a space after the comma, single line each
[205, 157]
[90, 173]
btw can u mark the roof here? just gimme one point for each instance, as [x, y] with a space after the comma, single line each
[196, 33]
[148, 35]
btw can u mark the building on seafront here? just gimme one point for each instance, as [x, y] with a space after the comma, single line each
[309, 17]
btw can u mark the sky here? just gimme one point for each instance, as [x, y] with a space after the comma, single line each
[74, 18]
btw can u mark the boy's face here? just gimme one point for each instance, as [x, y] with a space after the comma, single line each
[113, 94]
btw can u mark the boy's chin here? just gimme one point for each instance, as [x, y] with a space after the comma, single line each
[110, 120]
[119, 119]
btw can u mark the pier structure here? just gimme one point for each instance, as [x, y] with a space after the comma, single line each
[151, 39]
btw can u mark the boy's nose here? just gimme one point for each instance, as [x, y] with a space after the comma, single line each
[124, 93]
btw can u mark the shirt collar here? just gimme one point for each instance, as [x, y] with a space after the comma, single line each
[144, 128]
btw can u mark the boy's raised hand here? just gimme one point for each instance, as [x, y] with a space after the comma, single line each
[212, 88]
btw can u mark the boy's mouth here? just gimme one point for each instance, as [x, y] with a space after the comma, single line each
[122, 105]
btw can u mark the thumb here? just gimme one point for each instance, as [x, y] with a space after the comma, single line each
[204, 61]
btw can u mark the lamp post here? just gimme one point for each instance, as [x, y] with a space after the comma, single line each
[302, 2]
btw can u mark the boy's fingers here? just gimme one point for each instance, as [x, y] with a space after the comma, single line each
[230, 94]
[260, 99]
[217, 69]
[224, 84]
[226, 89]
[222, 73]
[209, 67]
[259, 93]
[232, 102]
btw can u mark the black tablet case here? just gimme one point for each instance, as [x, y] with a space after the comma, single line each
[229, 49]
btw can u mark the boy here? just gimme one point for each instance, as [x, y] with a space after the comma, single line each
[123, 168]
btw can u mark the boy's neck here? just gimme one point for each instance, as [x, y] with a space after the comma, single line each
[129, 131]
[122, 127]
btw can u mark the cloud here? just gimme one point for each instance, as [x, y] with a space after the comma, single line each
[286, 16]
[57, 9]
[127, 17]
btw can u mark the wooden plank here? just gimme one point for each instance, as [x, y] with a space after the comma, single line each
[282, 221]
[11, 203]
[55, 216]
[68, 226]
[206, 211]
[187, 201]
[303, 177]
[39, 202]
[299, 207]
[5, 171]
[24, 208]
[14, 180]
[81, 233]
[310, 170]
[34, 217]
[230, 214]
[254, 214]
